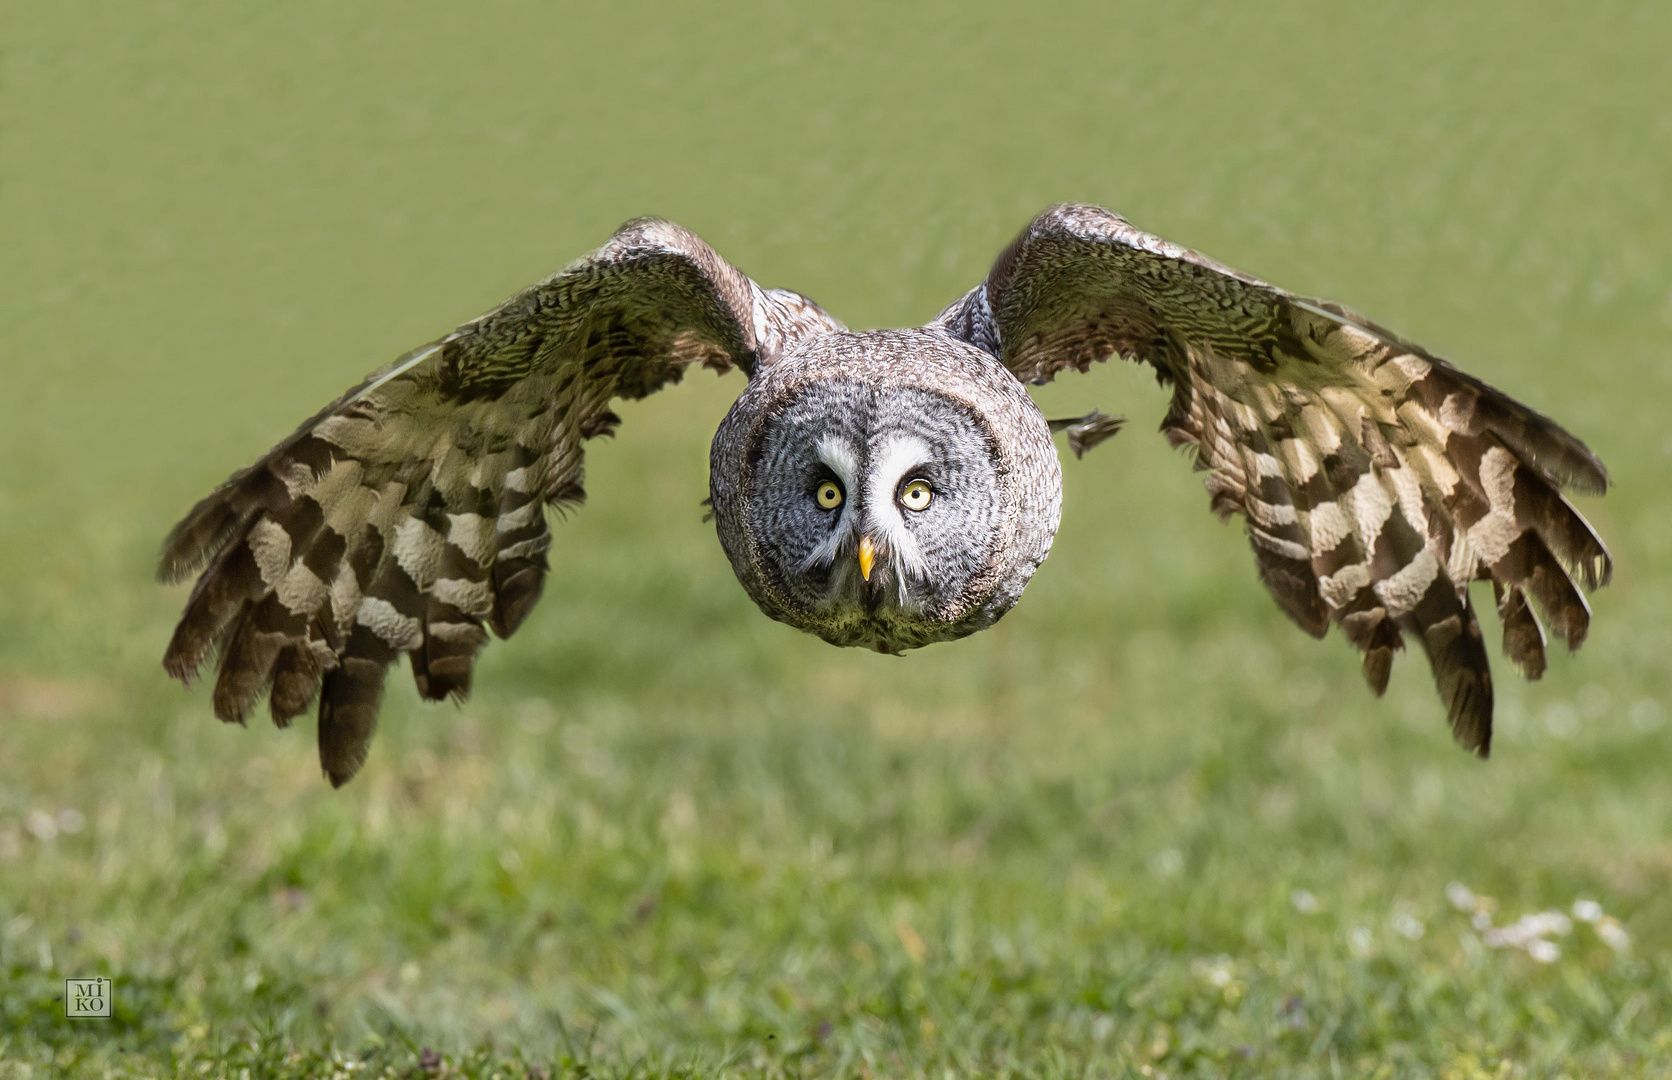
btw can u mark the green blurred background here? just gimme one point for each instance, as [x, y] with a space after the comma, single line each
[669, 832]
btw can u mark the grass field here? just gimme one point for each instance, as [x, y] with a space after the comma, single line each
[1143, 827]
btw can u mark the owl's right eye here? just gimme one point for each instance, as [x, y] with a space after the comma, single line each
[828, 494]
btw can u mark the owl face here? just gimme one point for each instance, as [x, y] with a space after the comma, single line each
[874, 509]
[873, 503]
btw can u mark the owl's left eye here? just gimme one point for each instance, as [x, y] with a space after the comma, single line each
[916, 495]
[829, 495]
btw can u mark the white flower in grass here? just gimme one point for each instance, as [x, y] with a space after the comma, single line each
[1304, 902]
[1608, 928]
[1465, 899]
[1219, 971]
[1360, 940]
[1613, 934]
[1532, 933]
[1408, 926]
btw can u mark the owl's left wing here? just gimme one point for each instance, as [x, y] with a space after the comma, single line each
[1376, 479]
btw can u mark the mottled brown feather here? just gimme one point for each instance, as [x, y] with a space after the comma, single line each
[408, 515]
[1376, 480]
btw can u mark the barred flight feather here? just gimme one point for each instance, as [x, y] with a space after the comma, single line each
[1375, 479]
[407, 516]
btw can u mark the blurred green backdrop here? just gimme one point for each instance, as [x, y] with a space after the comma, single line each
[1144, 824]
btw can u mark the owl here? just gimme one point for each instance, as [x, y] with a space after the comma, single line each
[886, 488]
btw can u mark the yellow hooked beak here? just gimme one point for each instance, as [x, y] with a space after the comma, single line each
[867, 557]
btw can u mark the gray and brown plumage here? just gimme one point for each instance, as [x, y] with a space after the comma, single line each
[889, 488]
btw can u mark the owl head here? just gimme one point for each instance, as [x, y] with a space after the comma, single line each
[887, 489]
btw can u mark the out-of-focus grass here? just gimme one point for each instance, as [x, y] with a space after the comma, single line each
[1142, 827]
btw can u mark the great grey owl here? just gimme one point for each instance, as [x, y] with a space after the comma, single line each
[889, 488]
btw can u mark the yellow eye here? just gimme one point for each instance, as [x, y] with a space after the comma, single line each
[829, 495]
[916, 495]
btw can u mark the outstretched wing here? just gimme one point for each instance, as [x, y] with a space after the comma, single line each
[1376, 479]
[407, 516]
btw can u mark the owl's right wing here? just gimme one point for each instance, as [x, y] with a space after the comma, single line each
[407, 516]
[1377, 480]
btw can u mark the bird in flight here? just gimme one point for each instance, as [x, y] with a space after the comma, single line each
[886, 488]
